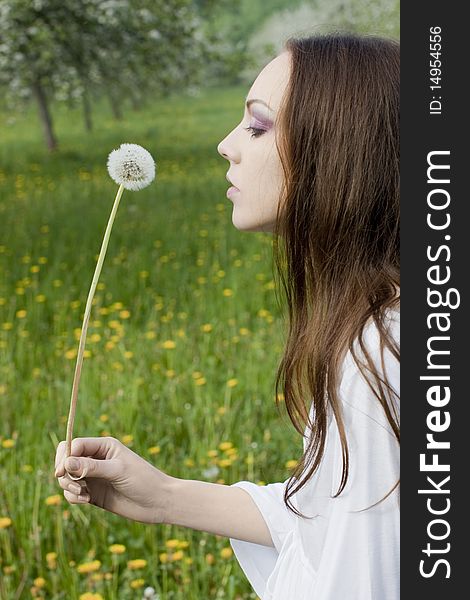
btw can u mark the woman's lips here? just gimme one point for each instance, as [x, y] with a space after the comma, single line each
[231, 191]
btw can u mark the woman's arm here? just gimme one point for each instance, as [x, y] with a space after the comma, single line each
[220, 509]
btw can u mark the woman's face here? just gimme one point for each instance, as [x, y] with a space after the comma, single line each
[255, 168]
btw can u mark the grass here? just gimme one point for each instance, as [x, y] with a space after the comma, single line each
[184, 340]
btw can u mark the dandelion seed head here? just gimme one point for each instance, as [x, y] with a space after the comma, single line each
[131, 166]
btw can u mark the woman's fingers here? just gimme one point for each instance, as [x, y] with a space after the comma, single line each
[75, 487]
[76, 499]
[98, 448]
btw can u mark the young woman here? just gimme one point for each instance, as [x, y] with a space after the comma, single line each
[314, 161]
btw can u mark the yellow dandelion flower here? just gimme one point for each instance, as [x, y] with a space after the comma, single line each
[117, 366]
[163, 557]
[97, 577]
[244, 331]
[221, 410]
[7, 326]
[87, 354]
[232, 383]
[178, 555]
[54, 500]
[226, 552]
[200, 381]
[5, 522]
[137, 563]
[51, 556]
[117, 306]
[154, 450]
[90, 596]
[95, 337]
[125, 314]
[57, 283]
[169, 344]
[172, 543]
[150, 335]
[128, 354]
[8, 443]
[109, 345]
[21, 314]
[227, 292]
[127, 439]
[210, 559]
[183, 544]
[137, 583]
[101, 286]
[290, 464]
[170, 373]
[117, 549]
[225, 446]
[189, 462]
[225, 462]
[89, 567]
[9, 569]
[27, 468]
[206, 327]
[104, 418]
[212, 453]
[201, 280]
[70, 354]
[40, 298]
[40, 582]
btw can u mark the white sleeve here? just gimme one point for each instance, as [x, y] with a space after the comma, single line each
[257, 561]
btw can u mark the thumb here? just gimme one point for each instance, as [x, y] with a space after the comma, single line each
[90, 467]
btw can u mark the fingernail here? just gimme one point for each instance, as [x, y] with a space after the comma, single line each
[73, 464]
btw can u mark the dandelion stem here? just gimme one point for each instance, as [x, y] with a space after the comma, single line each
[81, 346]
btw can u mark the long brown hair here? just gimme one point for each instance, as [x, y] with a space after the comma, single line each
[337, 236]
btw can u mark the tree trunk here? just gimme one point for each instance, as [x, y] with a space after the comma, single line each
[44, 115]
[87, 110]
[115, 105]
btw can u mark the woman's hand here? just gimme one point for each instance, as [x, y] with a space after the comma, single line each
[117, 479]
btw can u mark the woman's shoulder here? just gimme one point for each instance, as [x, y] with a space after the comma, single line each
[356, 381]
[372, 343]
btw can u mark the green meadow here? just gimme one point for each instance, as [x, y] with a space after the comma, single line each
[184, 340]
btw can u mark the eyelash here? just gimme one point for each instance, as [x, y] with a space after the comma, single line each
[256, 132]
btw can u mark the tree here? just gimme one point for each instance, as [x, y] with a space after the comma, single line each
[72, 49]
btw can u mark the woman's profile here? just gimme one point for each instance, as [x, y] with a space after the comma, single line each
[315, 162]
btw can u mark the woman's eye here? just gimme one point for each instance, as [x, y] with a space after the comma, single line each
[256, 132]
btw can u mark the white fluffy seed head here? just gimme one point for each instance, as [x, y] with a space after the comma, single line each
[131, 166]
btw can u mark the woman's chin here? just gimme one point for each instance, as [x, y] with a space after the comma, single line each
[247, 224]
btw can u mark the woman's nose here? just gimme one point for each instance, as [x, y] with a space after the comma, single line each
[227, 149]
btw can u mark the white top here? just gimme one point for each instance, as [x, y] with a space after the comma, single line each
[340, 553]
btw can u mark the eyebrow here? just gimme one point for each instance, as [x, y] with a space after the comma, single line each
[250, 102]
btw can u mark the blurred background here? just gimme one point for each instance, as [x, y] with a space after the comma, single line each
[186, 330]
